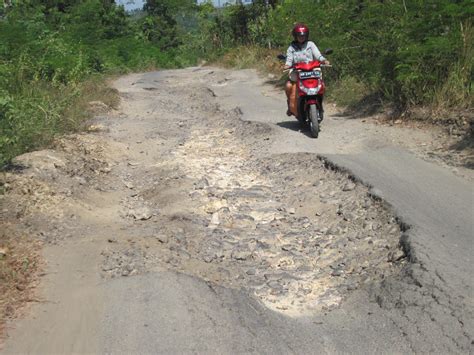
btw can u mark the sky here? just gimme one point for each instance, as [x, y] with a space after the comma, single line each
[138, 4]
[131, 4]
[219, 3]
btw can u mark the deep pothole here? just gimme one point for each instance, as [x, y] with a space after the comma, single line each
[297, 235]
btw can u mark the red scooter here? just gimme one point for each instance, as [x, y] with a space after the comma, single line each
[309, 94]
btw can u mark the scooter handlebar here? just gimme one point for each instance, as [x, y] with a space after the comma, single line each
[322, 65]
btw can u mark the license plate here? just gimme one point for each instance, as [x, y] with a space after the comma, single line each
[310, 74]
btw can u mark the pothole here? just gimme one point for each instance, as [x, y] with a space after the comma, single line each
[297, 235]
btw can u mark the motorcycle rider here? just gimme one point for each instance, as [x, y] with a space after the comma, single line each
[301, 50]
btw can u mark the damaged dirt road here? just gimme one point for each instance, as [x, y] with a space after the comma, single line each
[199, 219]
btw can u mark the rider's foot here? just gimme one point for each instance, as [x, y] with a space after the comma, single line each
[321, 116]
[288, 112]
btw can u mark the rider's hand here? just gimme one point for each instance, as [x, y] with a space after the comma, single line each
[327, 62]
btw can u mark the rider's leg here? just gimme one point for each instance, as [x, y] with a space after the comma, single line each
[288, 88]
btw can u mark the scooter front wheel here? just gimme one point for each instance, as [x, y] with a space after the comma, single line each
[313, 113]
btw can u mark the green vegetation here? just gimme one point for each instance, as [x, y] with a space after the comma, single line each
[54, 52]
[404, 53]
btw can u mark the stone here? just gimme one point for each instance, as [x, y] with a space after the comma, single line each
[215, 206]
[141, 213]
[280, 276]
[334, 230]
[367, 203]
[275, 288]
[396, 255]
[209, 258]
[241, 254]
[349, 186]
[291, 210]
[214, 220]
[162, 238]
[129, 269]
[272, 277]
[263, 245]
[350, 216]
[351, 286]
[256, 283]
[183, 254]
[80, 180]
[352, 237]
[201, 184]
[287, 247]
[263, 216]
[42, 160]
[251, 272]
[129, 185]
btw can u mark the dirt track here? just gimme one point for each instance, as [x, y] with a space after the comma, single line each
[176, 181]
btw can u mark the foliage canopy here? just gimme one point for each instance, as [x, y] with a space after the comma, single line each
[417, 52]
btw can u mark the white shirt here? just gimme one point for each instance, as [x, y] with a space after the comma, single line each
[304, 54]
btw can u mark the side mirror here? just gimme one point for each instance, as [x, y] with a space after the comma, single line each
[328, 51]
[281, 56]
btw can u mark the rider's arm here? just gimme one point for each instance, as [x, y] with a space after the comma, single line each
[289, 57]
[317, 54]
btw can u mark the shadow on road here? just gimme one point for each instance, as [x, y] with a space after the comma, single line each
[294, 125]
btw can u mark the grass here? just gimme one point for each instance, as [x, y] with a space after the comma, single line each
[348, 91]
[252, 57]
[37, 112]
[94, 89]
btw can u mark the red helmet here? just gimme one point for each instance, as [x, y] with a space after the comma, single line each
[300, 30]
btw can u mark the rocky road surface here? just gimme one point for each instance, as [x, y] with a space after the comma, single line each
[199, 219]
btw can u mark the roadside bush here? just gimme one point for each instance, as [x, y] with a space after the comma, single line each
[50, 50]
[348, 91]
[407, 53]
